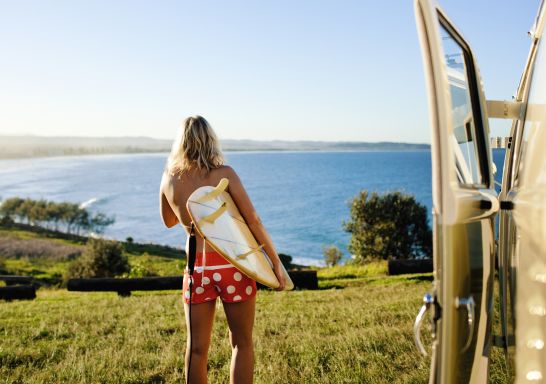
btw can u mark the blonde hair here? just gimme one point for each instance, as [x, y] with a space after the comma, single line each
[196, 147]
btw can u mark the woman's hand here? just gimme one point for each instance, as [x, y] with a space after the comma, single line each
[278, 269]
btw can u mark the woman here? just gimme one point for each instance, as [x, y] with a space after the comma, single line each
[196, 161]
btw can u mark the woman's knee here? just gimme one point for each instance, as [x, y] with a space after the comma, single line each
[241, 340]
[198, 350]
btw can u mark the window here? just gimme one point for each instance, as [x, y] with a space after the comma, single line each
[466, 141]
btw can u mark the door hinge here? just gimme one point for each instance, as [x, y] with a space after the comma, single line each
[503, 109]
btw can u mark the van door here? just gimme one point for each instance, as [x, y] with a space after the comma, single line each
[464, 203]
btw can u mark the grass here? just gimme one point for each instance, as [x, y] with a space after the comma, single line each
[373, 273]
[351, 275]
[351, 335]
[356, 329]
[45, 255]
[353, 271]
[334, 336]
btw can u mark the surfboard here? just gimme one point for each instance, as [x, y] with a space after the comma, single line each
[218, 220]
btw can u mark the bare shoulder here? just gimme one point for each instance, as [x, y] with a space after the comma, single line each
[170, 185]
[228, 172]
[166, 180]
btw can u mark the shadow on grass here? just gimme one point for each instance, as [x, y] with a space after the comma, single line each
[421, 278]
[374, 280]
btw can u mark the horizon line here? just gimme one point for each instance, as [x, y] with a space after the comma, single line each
[221, 139]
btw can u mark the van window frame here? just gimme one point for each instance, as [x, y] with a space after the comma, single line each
[481, 147]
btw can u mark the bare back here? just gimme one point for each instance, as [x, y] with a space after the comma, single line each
[175, 191]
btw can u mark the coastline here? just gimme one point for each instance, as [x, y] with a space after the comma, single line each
[22, 147]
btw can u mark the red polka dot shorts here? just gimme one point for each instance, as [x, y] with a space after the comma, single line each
[219, 278]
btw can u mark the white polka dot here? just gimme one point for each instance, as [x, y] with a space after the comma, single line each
[217, 277]
[236, 298]
[199, 290]
[248, 290]
[208, 298]
[206, 280]
[230, 289]
[187, 294]
[237, 276]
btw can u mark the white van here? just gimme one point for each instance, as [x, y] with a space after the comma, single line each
[469, 256]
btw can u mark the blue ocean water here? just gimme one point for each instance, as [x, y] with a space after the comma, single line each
[302, 197]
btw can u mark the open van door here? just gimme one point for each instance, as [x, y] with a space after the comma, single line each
[464, 204]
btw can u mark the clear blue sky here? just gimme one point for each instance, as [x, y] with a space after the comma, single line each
[291, 70]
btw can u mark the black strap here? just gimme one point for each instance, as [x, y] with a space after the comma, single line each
[191, 265]
[192, 250]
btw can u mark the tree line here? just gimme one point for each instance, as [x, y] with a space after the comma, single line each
[66, 217]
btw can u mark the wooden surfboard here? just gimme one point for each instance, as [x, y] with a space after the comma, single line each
[218, 220]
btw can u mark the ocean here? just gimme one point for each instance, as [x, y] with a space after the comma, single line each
[302, 197]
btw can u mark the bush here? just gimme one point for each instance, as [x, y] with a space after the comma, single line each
[332, 255]
[140, 269]
[102, 258]
[286, 261]
[389, 226]
[6, 222]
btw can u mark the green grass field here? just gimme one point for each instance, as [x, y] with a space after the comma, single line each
[356, 329]
[352, 335]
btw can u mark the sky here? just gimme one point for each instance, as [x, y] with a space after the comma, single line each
[287, 70]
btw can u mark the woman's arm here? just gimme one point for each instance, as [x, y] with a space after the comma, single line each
[242, 200]
[165, 209]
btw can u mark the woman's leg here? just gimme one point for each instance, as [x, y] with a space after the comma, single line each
[202, 318]
[240, 317]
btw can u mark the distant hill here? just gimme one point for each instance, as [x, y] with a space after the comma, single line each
[41, 146]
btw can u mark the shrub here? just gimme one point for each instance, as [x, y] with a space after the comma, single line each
[332, 255]
[6, 222]
[102, 258]
[389, 226]
[140, 269]
[286, 261]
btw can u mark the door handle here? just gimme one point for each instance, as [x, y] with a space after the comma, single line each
[428, 300]
[470, 306]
